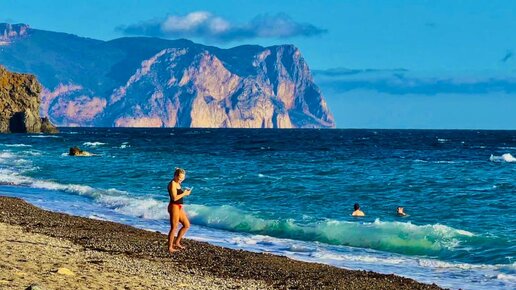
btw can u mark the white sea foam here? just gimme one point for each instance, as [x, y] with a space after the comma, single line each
[75, 188]
[480, 147]
[268, 176]
[506, 277]
[21, 162]
[245, 240]
[363, 258]
[438, 161]
[437, 264]
[300, 249]
[447, 274]
[96, 217]
[507, 157]
[6, 155]
[143, 208]
[43, 136]
[93, 144]
[15, 178]
[465, 233]
[15, 162]
[112, 198]
[17, 145]
[31, 153]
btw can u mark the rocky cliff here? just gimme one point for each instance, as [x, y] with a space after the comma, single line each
[19, 104]
[149, 82]
[190, 87]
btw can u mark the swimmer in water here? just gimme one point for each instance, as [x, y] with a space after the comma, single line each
[357, 211]
[400, 212]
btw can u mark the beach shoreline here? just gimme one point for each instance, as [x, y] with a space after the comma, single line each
[201, 265]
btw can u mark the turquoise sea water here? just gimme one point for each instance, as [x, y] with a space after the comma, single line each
[291, 192]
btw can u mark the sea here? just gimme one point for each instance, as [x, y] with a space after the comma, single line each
[291, 192]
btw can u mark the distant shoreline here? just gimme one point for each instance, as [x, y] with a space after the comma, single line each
[202, 260]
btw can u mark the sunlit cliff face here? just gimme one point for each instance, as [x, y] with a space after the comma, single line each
[137, 82]
[188, 88]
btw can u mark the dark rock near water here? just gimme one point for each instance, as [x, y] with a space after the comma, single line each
[76, 151]
[20, 103]
[47, 126]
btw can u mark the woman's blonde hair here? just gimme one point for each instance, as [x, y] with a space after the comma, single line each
[179, 171]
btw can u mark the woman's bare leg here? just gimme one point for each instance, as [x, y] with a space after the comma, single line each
[174, 222]
[183, 218]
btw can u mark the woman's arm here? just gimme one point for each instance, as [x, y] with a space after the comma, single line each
[172, 190]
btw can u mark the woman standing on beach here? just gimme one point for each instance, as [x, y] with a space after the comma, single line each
[176, 211]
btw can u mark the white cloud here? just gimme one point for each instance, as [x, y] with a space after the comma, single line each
[206, 25]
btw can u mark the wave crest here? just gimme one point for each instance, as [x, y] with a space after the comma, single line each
[399, 237]
[93, 144]
[507, 157]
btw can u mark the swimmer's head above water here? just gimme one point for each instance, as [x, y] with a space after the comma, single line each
[357, 211]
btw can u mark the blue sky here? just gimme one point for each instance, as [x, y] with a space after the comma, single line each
[429, 40]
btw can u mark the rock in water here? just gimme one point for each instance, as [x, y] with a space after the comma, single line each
[47, 126]
[19, 104]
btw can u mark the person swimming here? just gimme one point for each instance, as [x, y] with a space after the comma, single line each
[176, 210]
[400, 211]
[357, 212]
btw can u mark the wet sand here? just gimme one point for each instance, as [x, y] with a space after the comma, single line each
[104, 255]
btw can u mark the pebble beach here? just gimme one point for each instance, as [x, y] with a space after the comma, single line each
[58, 251]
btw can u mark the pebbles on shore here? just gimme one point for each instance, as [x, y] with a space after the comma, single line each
[130, 250]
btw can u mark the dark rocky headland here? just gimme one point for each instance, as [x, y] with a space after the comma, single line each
[20, 104]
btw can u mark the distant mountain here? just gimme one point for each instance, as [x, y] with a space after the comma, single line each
[151, 82]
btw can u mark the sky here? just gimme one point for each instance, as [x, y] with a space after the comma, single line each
[426, 42]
